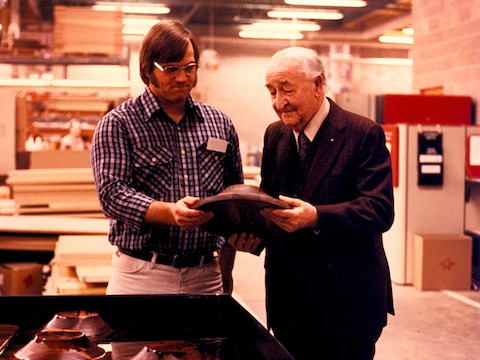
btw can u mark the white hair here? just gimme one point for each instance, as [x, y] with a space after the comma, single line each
[308, 61]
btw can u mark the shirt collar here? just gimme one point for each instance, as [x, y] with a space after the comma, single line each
[153, 106]
[317, 120]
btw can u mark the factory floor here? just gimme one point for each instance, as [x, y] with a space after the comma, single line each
[428, 325]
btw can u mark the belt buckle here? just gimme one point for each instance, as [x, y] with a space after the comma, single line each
[182, 261]
[186, 260]
[176, 263]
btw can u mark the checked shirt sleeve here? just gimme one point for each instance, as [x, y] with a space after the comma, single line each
[111, 164]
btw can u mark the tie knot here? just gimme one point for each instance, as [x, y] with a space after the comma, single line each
[303, 144]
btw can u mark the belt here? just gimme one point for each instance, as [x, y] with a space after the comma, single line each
[177, 261]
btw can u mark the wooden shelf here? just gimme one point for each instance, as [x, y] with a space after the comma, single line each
[44, 107]
[48, 115]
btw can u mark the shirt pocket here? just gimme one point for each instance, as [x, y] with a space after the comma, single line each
[153, 170]
[212, 169]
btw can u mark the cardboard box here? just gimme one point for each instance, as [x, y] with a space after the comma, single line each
[442, 262]
[21, 278]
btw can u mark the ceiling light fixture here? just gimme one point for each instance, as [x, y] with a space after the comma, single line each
[287, 35]
[152, 10]
[157, 9]
[335, 3]
[306, 14]
[288, 30]
[396, 39]
[283, 26]
[105, 7]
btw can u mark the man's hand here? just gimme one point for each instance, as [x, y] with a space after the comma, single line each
[189, 218]
[300, 215]
[181, 213]
[245, 242]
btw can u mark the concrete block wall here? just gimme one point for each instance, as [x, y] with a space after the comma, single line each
[446, 51]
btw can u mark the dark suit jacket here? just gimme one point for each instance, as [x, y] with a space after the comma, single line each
[332, 280]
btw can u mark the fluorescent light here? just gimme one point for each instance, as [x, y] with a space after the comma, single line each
[396, 39]
[282, 26]
[101, 7]
[287, 35]
[407, 31]
[154, 10]
[157, 9]
[135, 26]
[306, 14]
[278, 29]
[335, 3]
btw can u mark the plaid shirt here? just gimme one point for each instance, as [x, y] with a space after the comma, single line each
[139, 155]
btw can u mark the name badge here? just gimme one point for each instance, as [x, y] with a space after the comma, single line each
[218, 145]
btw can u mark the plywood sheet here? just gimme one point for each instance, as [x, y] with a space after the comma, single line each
[83, 250]
[94, 274]
[50, 176]
[52, 224]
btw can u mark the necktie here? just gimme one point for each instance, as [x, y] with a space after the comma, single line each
[303, 144]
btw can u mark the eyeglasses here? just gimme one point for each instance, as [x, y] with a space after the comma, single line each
[173, 70]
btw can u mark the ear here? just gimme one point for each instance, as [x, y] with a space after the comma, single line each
[318, 81]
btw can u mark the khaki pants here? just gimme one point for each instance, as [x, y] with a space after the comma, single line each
[130, 276]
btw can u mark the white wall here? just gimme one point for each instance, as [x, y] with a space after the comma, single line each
[237, 87]
[382, 79]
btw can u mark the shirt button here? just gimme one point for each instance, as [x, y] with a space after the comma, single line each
[182, 152]
[185, 177]
[154, 159]
[216, 158]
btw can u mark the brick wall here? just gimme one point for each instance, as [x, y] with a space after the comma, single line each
[446, 51]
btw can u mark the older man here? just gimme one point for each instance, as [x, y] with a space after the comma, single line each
[327, 277]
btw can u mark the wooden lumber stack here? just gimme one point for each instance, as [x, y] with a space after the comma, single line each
[81, 265]
[65, 190]
[83, 31]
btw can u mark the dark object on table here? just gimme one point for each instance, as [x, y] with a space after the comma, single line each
[178, 349]
[60, 344]
[7, 332]
[89, 323]
[217, 324]
[237, 209]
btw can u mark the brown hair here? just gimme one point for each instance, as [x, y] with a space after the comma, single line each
[166, 42]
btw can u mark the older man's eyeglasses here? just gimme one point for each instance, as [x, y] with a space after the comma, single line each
[173, 70]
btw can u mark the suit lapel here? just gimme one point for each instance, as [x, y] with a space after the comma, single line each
[286, 151]
[330, 140]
